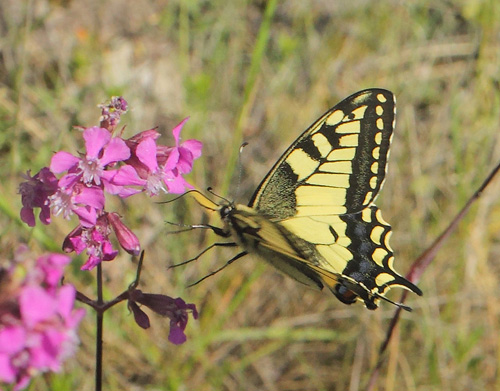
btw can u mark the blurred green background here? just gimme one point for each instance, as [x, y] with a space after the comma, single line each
[261, 72]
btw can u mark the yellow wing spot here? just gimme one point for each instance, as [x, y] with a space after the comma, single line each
[379, 110]
[334, 221]
[302, 163]
[376, 234]
[383, 278]
[373, 182]
[319, 195]
[368, 198]
[375, 153]
[322, 143]
[342, 167]
[390, 263]
[349, 127]
[378, 255]
[313, 210]
[381, 98]
[380, 219]
[378, 137]
[336, 257]
[374, 167]
[358, 113]
[335, 117]
[309, 230]
[380, 123]
[344, 241]
[332, 180]
[366, 215]
[386, 241]
[342, 154]
[351, 140]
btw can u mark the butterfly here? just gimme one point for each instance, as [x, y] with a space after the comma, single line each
[313, 215]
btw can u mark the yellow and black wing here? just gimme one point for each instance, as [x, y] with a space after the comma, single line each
[319, 196]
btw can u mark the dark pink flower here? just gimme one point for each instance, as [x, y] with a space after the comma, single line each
[127, 239]
[77, 198]
[35, 193]
[175, 309]
[94, 240]
[111, 112]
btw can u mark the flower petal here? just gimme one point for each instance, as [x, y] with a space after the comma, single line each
[63, 161]
[146, 152]
[95, 139]
[115, 151]
[35, 305]
[194, 146]
[177, 130]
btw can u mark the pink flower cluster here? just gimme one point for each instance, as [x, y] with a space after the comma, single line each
[109, 164]
[37, 319]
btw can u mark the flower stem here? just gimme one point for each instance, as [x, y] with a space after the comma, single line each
[99, 325]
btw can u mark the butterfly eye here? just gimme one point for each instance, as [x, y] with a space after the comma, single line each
[225, 211]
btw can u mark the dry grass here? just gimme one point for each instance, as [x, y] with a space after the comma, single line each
[242, 79]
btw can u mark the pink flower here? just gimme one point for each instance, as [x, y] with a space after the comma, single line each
[76, 198]
[175, 309]
[37, 318]
[111, 112]
[157, 167]
[127, 239]
[35, 193]
[95, 240]
[102, 150]
[179, 160]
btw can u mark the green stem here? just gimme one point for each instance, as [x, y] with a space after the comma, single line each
[248, 95]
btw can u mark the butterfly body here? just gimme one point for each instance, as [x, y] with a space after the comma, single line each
[313, 216]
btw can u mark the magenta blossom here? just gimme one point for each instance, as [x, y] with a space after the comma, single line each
[77, 198]
[102, 151]
[112, 112]
[109, 165]
[35, 193]
[157, 167]
[175, 309]
[37, 318]
[95, 240]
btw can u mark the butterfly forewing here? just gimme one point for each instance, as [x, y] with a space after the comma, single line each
[337, 165]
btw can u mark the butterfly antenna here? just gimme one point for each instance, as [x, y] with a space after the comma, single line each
[177, 198]
[211, 191]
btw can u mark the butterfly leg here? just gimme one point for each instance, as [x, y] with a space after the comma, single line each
[237, 256]
[203, 252]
